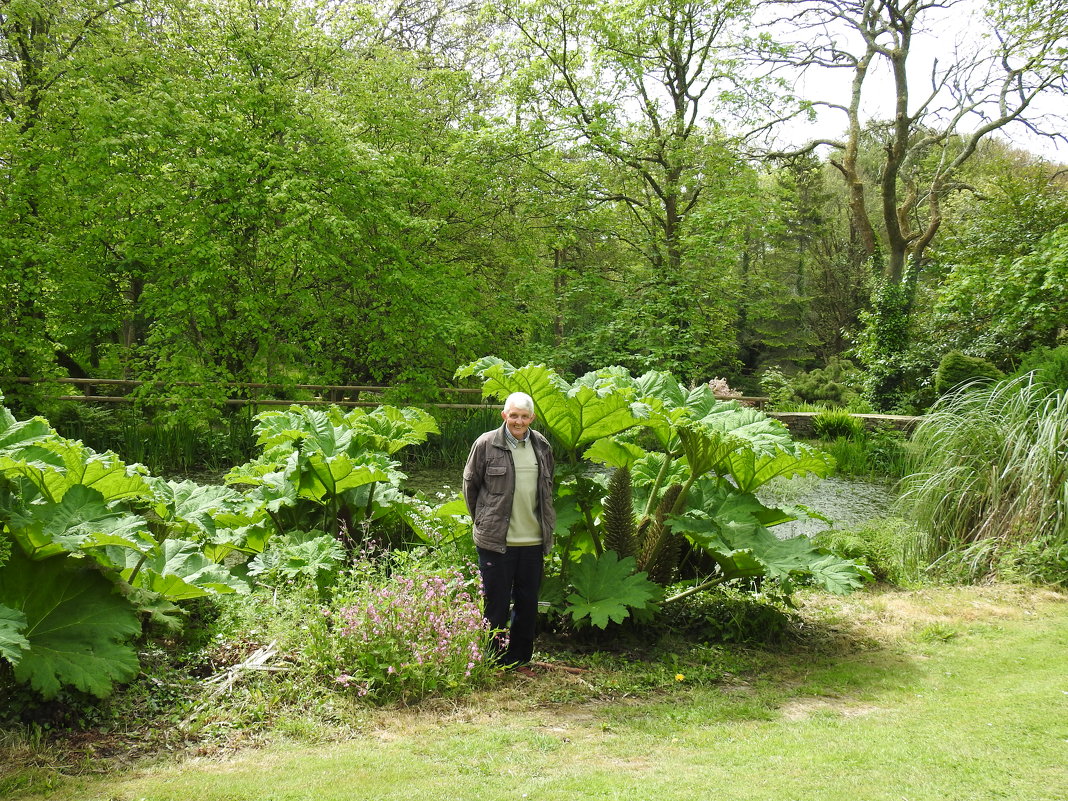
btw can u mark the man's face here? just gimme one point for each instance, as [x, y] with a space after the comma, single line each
[518, 421]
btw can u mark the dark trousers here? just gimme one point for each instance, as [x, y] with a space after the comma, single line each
[510, 585]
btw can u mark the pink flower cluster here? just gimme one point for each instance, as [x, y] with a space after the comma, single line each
[413, 633]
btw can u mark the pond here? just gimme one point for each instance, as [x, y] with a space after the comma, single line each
[846, 502]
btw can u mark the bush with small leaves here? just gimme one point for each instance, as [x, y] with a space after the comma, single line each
[956, 369]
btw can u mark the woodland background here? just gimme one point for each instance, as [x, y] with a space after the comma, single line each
[350, 193]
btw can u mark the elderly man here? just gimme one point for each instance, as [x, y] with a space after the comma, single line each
[508, 487]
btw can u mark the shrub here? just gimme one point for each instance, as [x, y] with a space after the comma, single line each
[731, 615]
[1037, 561]
[1049, 366]
[837, 384]
[834, 423]
[888, 547]
[956, 369]
[776, 386]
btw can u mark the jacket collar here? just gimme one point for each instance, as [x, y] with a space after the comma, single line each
[501, 437]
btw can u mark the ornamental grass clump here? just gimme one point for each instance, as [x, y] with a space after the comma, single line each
[409, 635]
[991, 475]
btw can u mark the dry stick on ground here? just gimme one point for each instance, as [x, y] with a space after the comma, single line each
[565, 668]
[226, 679]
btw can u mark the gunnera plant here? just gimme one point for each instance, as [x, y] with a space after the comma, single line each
[990, 472]
[619, 523]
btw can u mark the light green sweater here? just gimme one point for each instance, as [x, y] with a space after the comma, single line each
[523, 525]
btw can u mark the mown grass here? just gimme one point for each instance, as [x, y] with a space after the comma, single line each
[935, 694]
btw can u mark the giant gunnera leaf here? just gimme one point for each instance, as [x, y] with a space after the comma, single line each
[607, 588]
[178, 571]
[743, 548]
[80, 521]
[77, 626]
[574, 414]
[12, 643]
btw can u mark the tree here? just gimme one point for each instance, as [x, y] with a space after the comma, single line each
[249, 191]
[985, 86]
[44, 48]
[998, 240]
[645, 95]
[1002, 308]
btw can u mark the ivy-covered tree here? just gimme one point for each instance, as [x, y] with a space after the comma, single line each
[931, 124]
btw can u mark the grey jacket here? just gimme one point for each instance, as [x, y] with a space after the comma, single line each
[489, 484]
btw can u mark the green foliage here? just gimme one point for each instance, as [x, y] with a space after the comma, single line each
[122, 266]
[164, 443]
[1042, 561]
[733, 615]
[1019, 202]
[574, 414]
[299, 556]
[990, 474]
[776, 386]
[955, 369]
[1049, 366]
[96, 542]
[176, 570]
[888, 548]
[459, 428]
[834, 423]
[883, 342]
[669, 194]
[881, 452]
[330, 470]
[1003, 306]
[401, 632]
[733, 533]
[837, 384]
[714, 455]
[608, 588]
[76, 626]
[12, 642]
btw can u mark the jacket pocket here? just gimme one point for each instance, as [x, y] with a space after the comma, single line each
[496, 480]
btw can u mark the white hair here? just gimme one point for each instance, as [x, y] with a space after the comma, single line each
[519, 400]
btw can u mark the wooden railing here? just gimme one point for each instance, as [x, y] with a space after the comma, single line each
[90, 396]
[353, 390]
[797, 422]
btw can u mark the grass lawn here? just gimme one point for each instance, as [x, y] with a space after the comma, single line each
[931, 695]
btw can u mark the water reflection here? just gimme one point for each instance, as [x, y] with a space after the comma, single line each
[846, 502]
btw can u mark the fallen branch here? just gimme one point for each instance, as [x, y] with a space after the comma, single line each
[226, 679]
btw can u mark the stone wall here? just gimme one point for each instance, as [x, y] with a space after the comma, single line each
[800, 423]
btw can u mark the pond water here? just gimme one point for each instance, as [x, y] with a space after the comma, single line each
[845, 502]
[432, 480]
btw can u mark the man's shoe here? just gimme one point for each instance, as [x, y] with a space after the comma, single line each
[526, 670]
